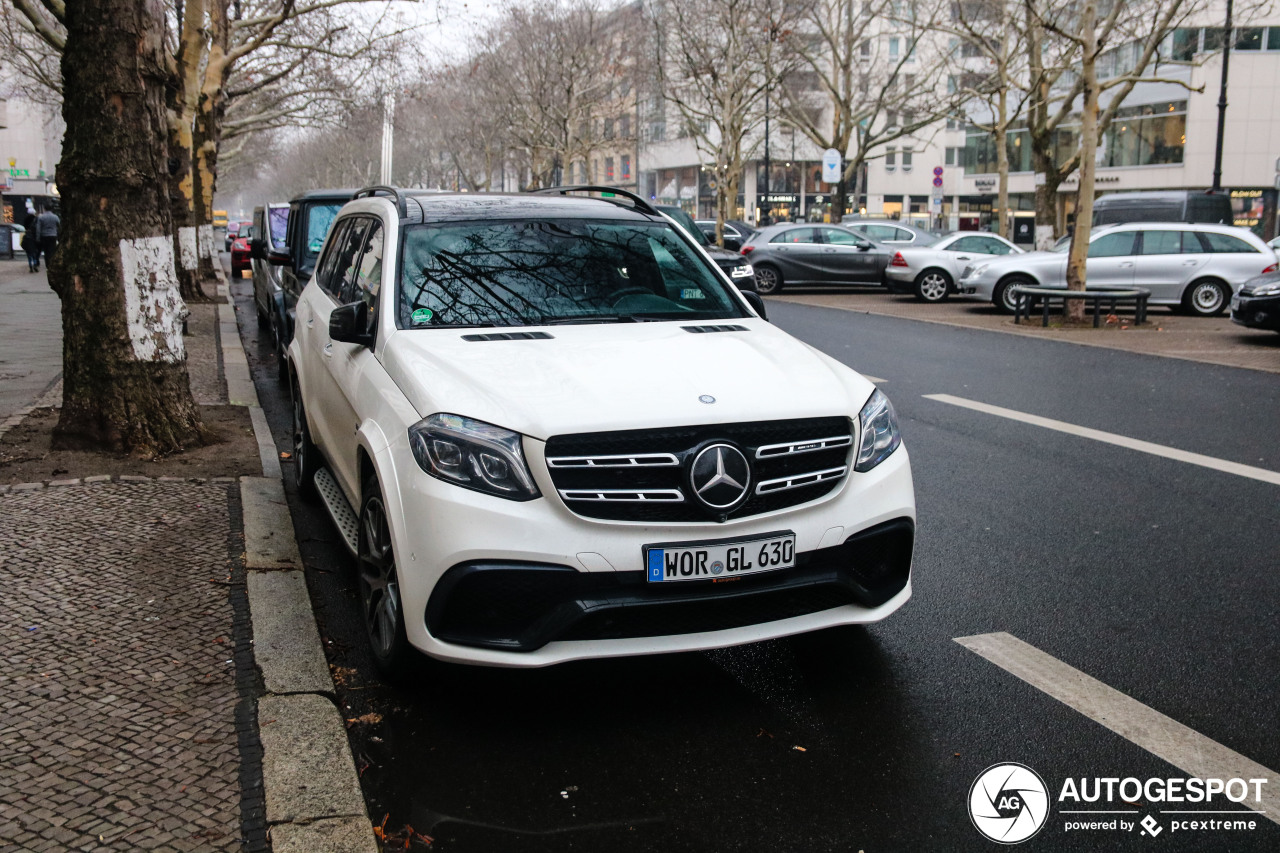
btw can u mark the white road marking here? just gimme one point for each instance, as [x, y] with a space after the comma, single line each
[1216, 464]
[1162, 736]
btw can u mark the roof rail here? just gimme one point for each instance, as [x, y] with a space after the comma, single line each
[379, 189]
[638, 202]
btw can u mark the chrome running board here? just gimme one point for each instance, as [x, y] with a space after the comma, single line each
[339, 510]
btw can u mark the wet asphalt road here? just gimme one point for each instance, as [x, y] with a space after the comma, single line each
[1152, 575]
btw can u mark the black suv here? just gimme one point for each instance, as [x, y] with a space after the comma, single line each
[310, 215]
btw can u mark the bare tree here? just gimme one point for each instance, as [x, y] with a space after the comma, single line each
[716, 61]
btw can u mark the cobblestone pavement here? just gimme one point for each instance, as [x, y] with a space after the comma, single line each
[1215, 340]
[118, 694]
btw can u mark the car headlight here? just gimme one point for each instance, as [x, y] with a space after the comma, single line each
[880, 436]
[474, 455]
[742, 271]
[1272, 289]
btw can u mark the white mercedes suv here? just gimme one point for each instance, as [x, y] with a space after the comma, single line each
[550, 428]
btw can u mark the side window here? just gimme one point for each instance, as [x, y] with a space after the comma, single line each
[967, 244]
[798, 235]
[1113, 245]
[840, 237]
[883, 233]
[1219, 243]
[326, 269]
[902, 235]
[995, 247]
[348, 268]
[369, 273]
[1161, 242]
[1191, 244]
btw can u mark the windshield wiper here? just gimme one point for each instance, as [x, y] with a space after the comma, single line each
[592, 318]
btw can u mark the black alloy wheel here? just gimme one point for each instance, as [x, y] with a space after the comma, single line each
[768, 279]
[306, 456]
[381, 608]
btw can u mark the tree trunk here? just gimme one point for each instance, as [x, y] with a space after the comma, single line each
[182, 104]
[204, 151]
[1046, 198]
[1002, 163]
[1078, 257]
[125, 385]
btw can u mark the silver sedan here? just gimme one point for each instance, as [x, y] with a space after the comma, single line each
[1193, 265]
[931, 272]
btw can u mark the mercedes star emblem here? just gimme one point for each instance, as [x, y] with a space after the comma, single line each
[720, 476]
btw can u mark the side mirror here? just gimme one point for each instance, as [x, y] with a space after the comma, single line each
[280, 257]
[754, 300]
[863, 246]
[255, 248]
[349, 323]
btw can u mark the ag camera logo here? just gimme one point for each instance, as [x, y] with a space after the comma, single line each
[1008, 803]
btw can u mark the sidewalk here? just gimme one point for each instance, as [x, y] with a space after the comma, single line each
[163, 685]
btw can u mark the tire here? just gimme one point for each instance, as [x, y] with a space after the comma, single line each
[932, 285]
[282, 363]
[264, 322]
[1206, 297]
[381, 608]
[768, 280]
[1003, 298]
[306, 456]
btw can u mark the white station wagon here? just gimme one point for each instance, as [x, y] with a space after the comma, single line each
[1195, 266]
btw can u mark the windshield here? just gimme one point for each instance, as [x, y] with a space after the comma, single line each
[534, 272]
[277, 225]
[319, 218]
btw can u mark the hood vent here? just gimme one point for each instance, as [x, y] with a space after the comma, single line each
[508, 336]
[702, 330]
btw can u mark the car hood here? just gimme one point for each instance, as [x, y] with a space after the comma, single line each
[1025, 261]
[724, 256]
[601, 377]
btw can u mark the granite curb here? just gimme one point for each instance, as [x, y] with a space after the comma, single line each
[312, 788]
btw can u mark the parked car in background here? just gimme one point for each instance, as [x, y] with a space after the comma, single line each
[931, 272]
[1197, 267]
[240, 252]
[1164, 206]
[735, 232]
[734, 264]
[1257, 304]
[270, 224]
[888, 232]
[233, 231]
[549, 430]
[310, 216]
[794, 254]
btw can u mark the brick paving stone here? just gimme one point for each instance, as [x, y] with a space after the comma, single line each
[119, 698]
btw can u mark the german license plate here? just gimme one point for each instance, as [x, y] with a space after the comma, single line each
[700, 561]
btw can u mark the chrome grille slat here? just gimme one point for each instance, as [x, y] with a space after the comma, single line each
[791, 448]
[624, 495]
[797, 481]
[634, 460]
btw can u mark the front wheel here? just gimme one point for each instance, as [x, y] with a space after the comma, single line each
[768, 280]
[932, 286]
[1004, 298]
[381, 606]
[1205, 298]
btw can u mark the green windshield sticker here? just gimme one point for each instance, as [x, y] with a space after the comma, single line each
[422, 316]
[690, 293]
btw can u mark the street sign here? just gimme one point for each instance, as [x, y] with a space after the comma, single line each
[937, 172]
[937, 182]
[831, 166]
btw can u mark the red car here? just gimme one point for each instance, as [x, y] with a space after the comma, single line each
[240, 260]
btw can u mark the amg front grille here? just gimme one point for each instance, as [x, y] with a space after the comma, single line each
[642, 475]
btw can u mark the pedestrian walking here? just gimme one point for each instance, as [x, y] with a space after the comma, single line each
[47, 227]
[30, 244]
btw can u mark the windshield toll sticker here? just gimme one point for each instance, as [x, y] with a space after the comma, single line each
[422, 316]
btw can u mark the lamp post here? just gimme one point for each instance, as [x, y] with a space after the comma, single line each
[1222, 102]
[766, 150]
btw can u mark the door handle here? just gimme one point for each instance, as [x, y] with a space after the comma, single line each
[828, 250]
[1189, 263]
[328, 350]
[964, 258]
[1126, 264]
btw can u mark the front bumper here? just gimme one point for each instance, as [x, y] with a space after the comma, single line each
[494, 582]
[1256, 312]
